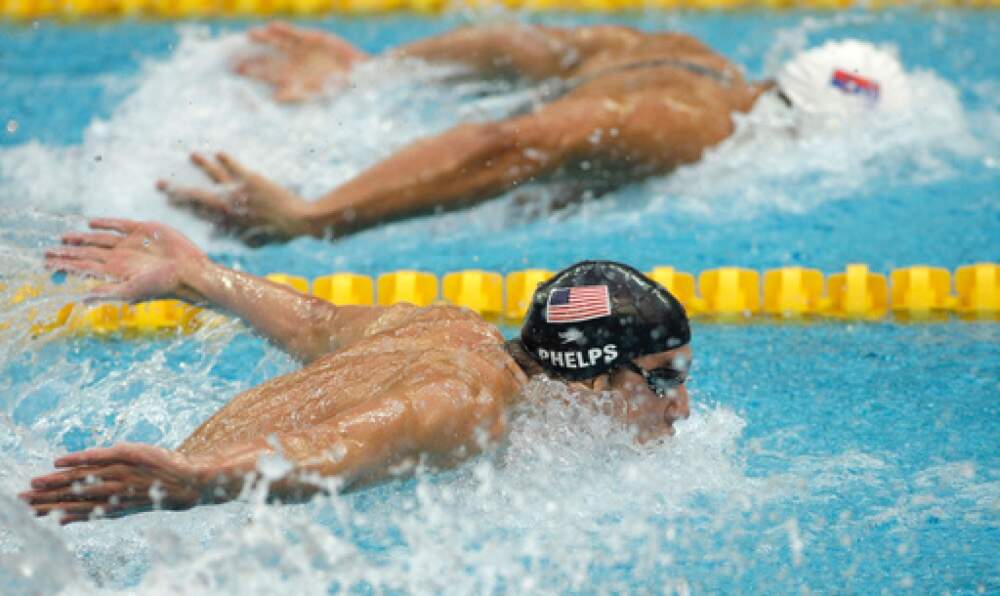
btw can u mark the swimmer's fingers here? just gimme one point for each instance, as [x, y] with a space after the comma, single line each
[203, 203]
[211, 169]
[80, 267]
[182, 196]
[125, 226]
[235, 168]
[80, 253]
[84, 475]
[98, 456]
[78, 492]
[86, 261]
[267, 69]
[278, 35]
[93, 239]
[124, 453]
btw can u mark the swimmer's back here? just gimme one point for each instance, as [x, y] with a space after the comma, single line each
[431, 346]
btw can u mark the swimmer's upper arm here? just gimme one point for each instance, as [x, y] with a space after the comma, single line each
[444, 409]
[532, 51]
[439, 416]
[333, 328]
[663, 130]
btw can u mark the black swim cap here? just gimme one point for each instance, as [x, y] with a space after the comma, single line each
[594, 316]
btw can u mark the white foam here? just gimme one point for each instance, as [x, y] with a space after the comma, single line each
[190, 101]
[567, 491]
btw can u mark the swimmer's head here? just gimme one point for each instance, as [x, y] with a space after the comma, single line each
[617, 332]
[842, 78]
[597, 316]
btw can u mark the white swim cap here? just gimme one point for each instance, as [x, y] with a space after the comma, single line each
[845, 77]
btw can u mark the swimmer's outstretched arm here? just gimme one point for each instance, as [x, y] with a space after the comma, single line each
[462, 166]
[438, 418]
[529, 51]
[302, 62]
[146, 260]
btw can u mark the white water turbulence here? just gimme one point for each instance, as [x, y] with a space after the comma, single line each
[191, 101]
[777, 159]
[568, 495]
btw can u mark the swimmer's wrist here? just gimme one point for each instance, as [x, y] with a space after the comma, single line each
[309, 220]
[196, 276]
[211, 481]
[224, 475]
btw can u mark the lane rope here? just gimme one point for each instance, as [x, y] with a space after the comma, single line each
[729, 295]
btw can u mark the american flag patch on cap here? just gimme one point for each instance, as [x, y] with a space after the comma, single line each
[570, 305]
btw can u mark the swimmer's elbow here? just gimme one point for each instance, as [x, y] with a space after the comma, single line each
[322, 333]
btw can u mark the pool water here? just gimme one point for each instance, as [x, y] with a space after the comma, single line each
[855, 457]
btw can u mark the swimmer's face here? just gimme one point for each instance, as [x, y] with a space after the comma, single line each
[651, 415]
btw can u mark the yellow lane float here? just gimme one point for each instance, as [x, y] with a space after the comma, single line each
[102, 319]
[681, 285]
[479, 291]
[730, 291]
[156, 316]
[345, 289]
[521, 287]
[858, 294]
[415, 287]
[915, 293]
[921, 291]
[793, 292]
[978, 289]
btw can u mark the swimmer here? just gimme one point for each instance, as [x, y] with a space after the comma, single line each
[614, 105]
[382, 388]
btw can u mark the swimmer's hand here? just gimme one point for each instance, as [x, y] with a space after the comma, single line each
[248, 205]
[138, 260]
[301, 62]
[123, 479]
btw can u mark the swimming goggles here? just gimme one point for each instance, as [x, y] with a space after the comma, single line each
[661, 380]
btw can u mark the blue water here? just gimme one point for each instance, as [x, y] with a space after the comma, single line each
[820, 456]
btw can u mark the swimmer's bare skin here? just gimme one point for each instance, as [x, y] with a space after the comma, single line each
[645, 121]
[382, 387]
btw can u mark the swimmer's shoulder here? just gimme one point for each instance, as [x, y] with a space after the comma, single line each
[436, 320]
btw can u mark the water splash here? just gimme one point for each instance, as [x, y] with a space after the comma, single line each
[567, 500]
[191, 102]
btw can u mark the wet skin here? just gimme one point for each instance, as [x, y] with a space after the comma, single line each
[381, 388]
[637, 121]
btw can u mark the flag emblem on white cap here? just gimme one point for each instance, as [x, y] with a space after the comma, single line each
[855, 84]
[583, 303]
